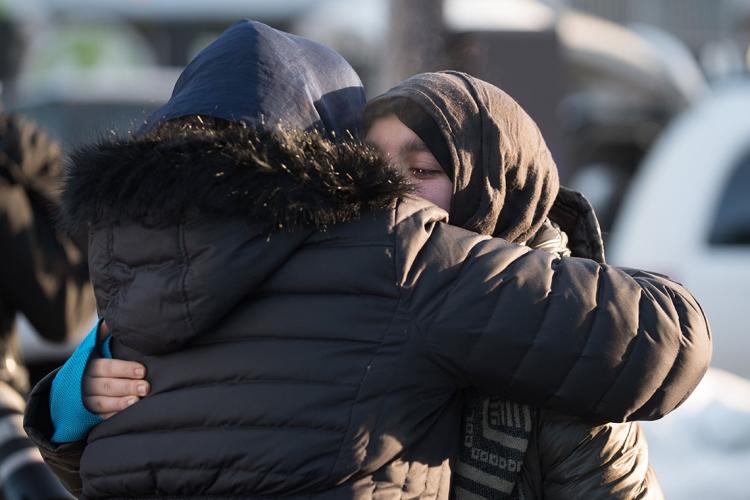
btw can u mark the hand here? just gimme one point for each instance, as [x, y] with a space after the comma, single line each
[111, 385]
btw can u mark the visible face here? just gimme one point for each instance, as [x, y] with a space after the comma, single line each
[406, 151]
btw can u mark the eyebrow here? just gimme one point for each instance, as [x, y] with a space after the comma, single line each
[414, 146]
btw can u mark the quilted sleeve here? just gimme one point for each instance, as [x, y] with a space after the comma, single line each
[568, 334]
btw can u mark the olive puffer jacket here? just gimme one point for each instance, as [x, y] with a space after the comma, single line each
[568, 459]
[327, 359]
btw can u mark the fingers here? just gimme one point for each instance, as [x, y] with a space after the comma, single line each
[105, 406]
[114, 387]
[115, 368]
[111, 385]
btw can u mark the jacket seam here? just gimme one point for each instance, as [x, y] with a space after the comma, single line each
[367, 371]
[591, 334]
[184, 277]
[323, 293]
[284, 474]
[223, 428]
[112, 284]
[543, 316]
[467, 260]
[235, 382]
[677, 357]
[628, 358]
[255, 338]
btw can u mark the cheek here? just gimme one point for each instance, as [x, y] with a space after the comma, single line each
[437, 191]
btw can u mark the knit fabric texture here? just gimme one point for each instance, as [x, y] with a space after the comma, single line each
[71, 419]
[496, 436]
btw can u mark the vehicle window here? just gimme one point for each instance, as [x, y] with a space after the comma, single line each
[731, 224]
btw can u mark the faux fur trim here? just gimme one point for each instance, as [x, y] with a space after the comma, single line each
[285, 178]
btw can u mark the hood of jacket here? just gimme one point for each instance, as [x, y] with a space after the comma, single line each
[260, 76]
[258, 138]
[260, 125]
[217, 212]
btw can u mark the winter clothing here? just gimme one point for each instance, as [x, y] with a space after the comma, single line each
[352, 345]
[499, 149]
[418, 121]
[565, 460]
[72, 418]
[289, 360]
[496, 432]
[261, 76]
[568, 459]
[513, 451]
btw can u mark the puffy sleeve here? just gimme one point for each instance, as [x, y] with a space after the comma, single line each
[563, 333]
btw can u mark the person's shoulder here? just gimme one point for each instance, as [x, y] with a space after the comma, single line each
[371, 227]
[410, 210]
[406, 218]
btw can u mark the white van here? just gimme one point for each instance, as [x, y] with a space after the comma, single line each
[687, 214]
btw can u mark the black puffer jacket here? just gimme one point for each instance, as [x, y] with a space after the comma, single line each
[330, 363]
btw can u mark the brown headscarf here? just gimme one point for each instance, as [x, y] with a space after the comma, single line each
[504, 178]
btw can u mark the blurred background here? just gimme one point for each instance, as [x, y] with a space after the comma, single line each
[644, 103]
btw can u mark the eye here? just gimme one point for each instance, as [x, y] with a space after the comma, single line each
[425, 173]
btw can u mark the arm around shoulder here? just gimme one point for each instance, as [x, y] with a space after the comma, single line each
[568, 334]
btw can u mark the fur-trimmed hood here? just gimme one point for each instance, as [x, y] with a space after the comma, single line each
[285, 179]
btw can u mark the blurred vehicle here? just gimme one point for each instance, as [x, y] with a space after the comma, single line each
[81, 105]
[687, 214]
[627, 83]
[177, 29]
[174, 31]
[600, 92]
[357, 30]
